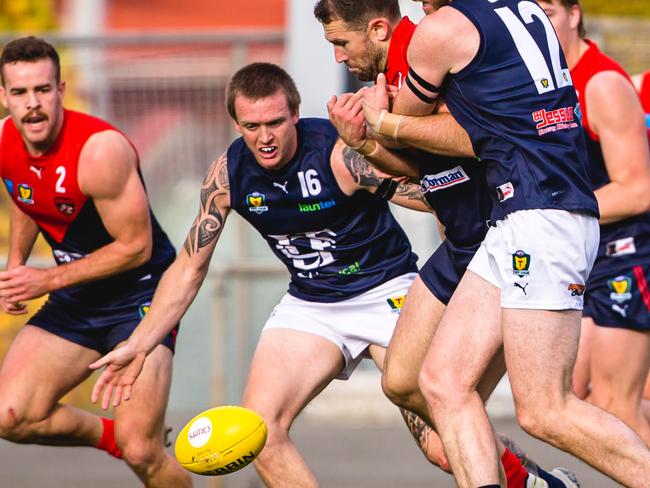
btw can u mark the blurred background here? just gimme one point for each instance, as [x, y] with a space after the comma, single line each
[157, 69]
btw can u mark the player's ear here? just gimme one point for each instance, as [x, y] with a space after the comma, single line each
[61, 89]
[575, 15]
[3, 96]
[379, 29]
[295, 117]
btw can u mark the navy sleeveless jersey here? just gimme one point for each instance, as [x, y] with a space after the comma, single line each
[46, 188]
[455, 188]
[517, 102]
[335, 246]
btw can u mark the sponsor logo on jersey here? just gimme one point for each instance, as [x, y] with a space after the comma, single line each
[577, 290]
[396, 303]
[505, 192]
[316, 207]
[144, 309]
[352, 269]
[10, 185]
[25, 194]
[520, 263]
[64, 205]
[444, 179]
[620, 309]
[554, 120]
[256, 202]
[620, 247]
[620, 288]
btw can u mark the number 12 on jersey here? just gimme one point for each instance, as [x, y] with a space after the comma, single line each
[528, 49]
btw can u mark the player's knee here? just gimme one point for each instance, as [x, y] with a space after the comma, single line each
[398, 388]
[14, 425]
[437, 386]
[142, 454]
[542, 421]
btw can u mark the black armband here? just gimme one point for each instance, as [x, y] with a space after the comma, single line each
[424, 84]
[386, 190]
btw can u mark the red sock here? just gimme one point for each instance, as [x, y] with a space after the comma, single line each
[516, 474]
[107, 442]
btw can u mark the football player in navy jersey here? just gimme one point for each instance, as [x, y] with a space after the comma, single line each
[75, 179]
[324, 213]
[614, 355]
[530, 272]
[369, 36]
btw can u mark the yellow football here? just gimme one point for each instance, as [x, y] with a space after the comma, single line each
[220, 440]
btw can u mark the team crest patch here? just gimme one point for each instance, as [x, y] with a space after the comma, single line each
[64, 205]
[620, 288]
[144, 309]
[520, 263]
[25, 194]
[396, 303]
[256, 202]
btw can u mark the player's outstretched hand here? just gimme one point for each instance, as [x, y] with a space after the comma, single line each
[123, 366]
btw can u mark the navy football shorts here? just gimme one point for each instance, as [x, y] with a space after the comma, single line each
[444, 269]
[620, 298]
[98, 328]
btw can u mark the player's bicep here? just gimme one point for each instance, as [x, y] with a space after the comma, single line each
[615, 114]
[108, 175]
[214, 207]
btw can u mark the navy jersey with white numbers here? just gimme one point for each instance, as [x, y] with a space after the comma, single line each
[335, 246]
[517, 102]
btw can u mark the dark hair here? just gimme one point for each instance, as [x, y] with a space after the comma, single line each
[260, 80]
[356, 13]
[567, 4]
[29, 49]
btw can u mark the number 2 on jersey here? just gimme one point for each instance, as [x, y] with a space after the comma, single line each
[530, 51]
[59, 188]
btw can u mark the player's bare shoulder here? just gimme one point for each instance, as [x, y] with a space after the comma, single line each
[106, 162]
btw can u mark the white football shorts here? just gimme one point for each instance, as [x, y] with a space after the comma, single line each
[539, 258]
[352, 324]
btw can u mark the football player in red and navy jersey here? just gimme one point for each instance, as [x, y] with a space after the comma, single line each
[614, 358]
[75, 179]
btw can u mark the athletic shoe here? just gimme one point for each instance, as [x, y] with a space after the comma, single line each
[529, 465]
[567, 477]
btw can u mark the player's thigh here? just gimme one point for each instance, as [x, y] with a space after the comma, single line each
[417, 323]
[620, 362]
[142, 416]
[582, 368]
[468, 337]
[289, 368]
[540, 348]
[39, 368]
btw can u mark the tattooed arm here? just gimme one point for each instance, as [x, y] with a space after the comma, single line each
[175, 293]
[354, 172]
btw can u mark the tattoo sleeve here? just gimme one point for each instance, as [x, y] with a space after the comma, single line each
[360, 169]
[418, 428]
[209, 222]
